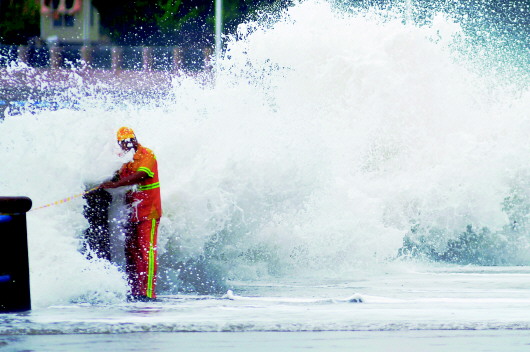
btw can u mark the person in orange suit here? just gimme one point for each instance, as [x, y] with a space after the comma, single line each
[145, 207]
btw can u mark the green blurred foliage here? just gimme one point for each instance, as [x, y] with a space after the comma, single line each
[192, 22]
[19, 21]
[137, 22]
[168, 22]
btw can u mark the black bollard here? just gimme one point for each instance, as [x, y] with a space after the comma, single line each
[14, 264]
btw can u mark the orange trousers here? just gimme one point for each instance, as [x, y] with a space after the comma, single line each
[140, 254]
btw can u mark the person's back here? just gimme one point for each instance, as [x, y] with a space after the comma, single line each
[146, 197]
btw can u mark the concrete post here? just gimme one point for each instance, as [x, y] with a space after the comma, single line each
[178, 59]
[207, 52]
[23, 54]
[117, 58]
[147, 58]
[86, 55]
[56, 57]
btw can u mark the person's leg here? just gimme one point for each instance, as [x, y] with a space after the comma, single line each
[147, 262]
[132, 253]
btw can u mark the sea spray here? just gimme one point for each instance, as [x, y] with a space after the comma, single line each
[324, 138]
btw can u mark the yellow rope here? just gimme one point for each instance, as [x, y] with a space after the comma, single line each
[65, 199]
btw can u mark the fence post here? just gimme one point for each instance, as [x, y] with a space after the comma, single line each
[14, 262]
[177, 59]
[147, 58]
[23, 54]
[86, 55]
[117, 58]
[207, 53]
[56, 57]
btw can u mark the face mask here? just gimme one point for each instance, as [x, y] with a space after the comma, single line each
[127, 144]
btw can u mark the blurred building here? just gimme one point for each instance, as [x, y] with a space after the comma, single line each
[69, 21]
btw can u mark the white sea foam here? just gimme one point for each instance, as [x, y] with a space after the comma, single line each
[324, 137]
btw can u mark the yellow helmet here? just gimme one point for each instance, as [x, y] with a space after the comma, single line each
[125, 133]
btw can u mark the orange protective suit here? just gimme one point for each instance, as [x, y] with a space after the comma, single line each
[142, 232]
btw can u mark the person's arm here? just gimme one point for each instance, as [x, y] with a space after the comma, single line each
[133, 179]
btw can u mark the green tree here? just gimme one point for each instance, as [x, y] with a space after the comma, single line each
[167, 22]
[153, 21]
[19, 21]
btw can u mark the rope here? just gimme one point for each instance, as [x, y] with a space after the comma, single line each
[65, 199]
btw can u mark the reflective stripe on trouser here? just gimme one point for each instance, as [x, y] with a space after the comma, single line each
[141, 260]
[149, 186]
